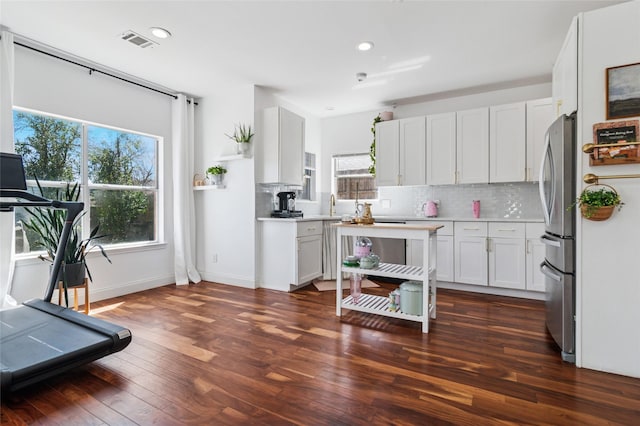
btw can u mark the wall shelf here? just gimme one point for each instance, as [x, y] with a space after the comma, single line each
[208, 187]
[232, 157]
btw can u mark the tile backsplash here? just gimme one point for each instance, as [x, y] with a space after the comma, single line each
[508, 200]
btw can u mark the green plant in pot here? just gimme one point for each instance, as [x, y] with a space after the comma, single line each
[47, 224]
[216, 174]
[242, 135]
[598, 204]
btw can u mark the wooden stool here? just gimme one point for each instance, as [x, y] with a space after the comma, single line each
[85, 285]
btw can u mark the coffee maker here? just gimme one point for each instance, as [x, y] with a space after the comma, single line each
[286, 205]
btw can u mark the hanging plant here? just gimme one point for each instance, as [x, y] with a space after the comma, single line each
[372, 149]
[598, 204]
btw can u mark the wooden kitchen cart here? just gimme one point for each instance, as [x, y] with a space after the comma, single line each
[427, 273]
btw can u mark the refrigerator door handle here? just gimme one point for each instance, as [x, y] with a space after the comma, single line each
[550, 242]
[547, 271]
[545, 207]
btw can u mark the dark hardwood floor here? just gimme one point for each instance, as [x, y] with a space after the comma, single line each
[216, 355]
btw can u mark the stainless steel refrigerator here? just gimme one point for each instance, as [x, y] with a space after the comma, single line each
[558, 193]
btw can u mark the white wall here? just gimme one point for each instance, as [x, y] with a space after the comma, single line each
[351, 133]
[608, 283]
[225, 231]
[52, 86]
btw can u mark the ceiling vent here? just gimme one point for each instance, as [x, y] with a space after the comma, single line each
[137, 39]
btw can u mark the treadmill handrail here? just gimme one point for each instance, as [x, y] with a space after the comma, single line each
[73, 209]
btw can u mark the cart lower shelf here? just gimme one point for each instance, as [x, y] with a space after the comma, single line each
[380, 305]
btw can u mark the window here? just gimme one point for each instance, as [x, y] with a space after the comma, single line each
[117, 171]
[308, 191]
[351, 177]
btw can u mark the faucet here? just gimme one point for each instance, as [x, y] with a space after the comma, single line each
[332, 204]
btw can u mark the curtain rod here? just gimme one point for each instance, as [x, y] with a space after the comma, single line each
[92, 70]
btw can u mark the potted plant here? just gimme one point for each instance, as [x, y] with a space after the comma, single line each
[372, 148]
[242, 135]
[47, 224]
[216, 174]
[598, 204]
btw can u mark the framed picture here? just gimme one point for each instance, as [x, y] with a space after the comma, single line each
[623, 91]
[618, 133]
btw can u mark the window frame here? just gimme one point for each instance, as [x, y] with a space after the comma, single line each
[334, 178]
[86, 187]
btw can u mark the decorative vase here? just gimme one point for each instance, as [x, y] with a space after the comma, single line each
[596, 213]
[242, 147]
[216, 179]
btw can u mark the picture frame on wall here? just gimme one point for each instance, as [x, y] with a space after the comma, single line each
[623, 91]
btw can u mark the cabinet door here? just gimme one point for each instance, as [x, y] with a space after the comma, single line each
[444, 264]
[412, 151]
[387, 153]
[470, 259]
[507, 263]
[564, 85]
[535, 256]
[539, 118]
[291, 148]
[309, 265]
[507, 143]
[441, 149]
[472, 146]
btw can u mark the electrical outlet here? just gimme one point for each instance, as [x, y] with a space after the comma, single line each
[214, 258]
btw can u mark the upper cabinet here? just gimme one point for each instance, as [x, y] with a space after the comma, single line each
[387, 152]
[441, 149]
[400, 152]
[507, 143]
[565, 74]
[472, 141]
[539, 118]
[283, 147]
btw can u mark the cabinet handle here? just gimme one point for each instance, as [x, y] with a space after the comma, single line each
[471, 229]
[528, 247]
[311, 229]
[488, 242]
[507, 230]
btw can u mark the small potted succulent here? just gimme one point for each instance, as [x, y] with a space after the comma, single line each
[598, 204]
[215, 175]
[242, 135]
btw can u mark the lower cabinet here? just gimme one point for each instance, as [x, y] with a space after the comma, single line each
[470, 252]
[535, 256]
[291, 253]
[507, 258]
[444, 243]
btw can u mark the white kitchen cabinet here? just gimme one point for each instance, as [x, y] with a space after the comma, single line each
[535, 256]
[472, 146]
[441, 149]
[470, 252]
[564, 87]
[507, 143]
[539, 118]
[400, 152]
[387, 153]
[507, 255]
[444, 247]
[282, 147]
[291, 253]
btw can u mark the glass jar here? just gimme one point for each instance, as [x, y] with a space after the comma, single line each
[355, 287]
[362, 247]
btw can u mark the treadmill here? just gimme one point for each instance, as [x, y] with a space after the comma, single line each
[38, 339]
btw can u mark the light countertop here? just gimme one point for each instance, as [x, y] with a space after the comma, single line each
[381, 219]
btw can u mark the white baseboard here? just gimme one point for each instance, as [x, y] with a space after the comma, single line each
[523, 294]
[228, 279]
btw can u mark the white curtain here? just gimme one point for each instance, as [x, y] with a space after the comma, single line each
[329, 265]
[184, 234]
[7, 234]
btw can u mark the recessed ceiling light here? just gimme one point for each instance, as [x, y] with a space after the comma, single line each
[160, 32]
[329, 108]
[365, 45]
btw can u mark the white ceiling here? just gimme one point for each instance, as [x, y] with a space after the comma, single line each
[306, 50]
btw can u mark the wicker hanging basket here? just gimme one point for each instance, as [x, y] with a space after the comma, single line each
[597, 213]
